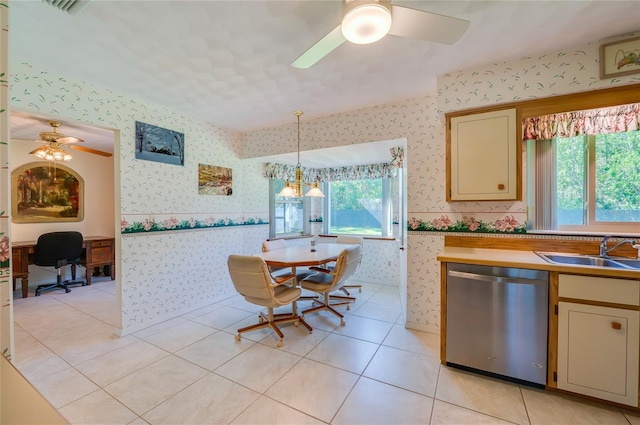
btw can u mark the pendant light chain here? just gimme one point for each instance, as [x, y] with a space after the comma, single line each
[298, 114]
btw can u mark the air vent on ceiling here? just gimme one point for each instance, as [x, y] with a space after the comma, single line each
[69, 6]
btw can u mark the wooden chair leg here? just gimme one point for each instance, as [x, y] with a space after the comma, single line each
[353, 286]
[327, 306]
[271, 320]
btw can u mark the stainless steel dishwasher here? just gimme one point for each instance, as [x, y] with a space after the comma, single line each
[497, 320]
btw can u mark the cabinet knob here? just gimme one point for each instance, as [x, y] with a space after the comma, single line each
[500, 186]
[616, 325]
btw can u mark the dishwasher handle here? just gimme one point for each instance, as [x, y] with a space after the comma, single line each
[496, 279]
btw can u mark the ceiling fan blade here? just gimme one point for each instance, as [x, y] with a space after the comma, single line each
[428, 26]
[68, 139]
[319, 50]
[89, 150]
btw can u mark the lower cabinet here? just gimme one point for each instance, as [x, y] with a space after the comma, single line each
[598, 351]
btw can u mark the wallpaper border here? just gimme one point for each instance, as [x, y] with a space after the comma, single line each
[171, 223]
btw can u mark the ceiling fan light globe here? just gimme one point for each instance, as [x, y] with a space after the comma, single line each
[40, 153]
[49, 157]
[67, 157]
[366, 23]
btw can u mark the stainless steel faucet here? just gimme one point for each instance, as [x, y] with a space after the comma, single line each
[604, 251]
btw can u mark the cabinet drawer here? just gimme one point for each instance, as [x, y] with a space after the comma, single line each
[100, 255]
[618, 291]
[98, 244]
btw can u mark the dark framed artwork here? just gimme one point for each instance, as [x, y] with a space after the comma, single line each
[213, 180]
[158, 144]
[44, 192]
[620, 58]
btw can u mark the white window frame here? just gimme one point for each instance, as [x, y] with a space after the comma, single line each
[272, 213]
[387, 209]
[590, 225]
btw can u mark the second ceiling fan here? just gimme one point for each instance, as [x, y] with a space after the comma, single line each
[367, 21]
[53, 142]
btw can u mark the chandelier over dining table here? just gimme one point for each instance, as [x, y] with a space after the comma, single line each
[295, 190]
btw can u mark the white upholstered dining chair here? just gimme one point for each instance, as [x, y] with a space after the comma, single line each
[252, 279]
[324, 281]
[347, 240]
[353, 240]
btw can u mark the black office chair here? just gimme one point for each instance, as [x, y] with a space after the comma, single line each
[58, 249]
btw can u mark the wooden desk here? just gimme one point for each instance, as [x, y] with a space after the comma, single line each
[100, 251]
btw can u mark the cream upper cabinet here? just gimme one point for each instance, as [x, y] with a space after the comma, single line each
[483, 157]
[598, 345]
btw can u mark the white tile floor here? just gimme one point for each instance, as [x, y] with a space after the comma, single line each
[190, 370]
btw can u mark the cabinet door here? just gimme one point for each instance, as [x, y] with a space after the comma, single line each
[484, 156]
[598, 352]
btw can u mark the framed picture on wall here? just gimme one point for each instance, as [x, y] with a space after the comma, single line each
[158, 144]
[213, 180]
[46, 192]
[620, 58]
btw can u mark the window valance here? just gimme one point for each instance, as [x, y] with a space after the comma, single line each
[357, 172]
[588, 122]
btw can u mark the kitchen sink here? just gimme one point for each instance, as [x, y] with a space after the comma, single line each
[590, 260]
[629, 262]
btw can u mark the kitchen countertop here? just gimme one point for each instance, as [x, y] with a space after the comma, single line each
[525, 260]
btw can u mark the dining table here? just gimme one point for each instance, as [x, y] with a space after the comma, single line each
[303, 255]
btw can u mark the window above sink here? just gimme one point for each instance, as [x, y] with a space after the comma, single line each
[582, 170]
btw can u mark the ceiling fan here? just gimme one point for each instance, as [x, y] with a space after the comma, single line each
[367, 21]
[53, 142]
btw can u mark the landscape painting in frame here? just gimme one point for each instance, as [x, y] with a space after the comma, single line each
[44, 192]
[158, 144]
[213, 180]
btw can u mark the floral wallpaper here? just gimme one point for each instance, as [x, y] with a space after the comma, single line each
[376, 265]
[173, 241]
[155, 224]
[468, 224]
[166, 272]
[183, 267]
[555, 73]
[6, 285]
[421, 122]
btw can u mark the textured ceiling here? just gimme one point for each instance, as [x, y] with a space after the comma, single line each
[228, 62]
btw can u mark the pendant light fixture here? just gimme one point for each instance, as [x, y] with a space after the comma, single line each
[295, 190]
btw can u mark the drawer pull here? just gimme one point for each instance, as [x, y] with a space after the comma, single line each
[616, 325]
[500, 186]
